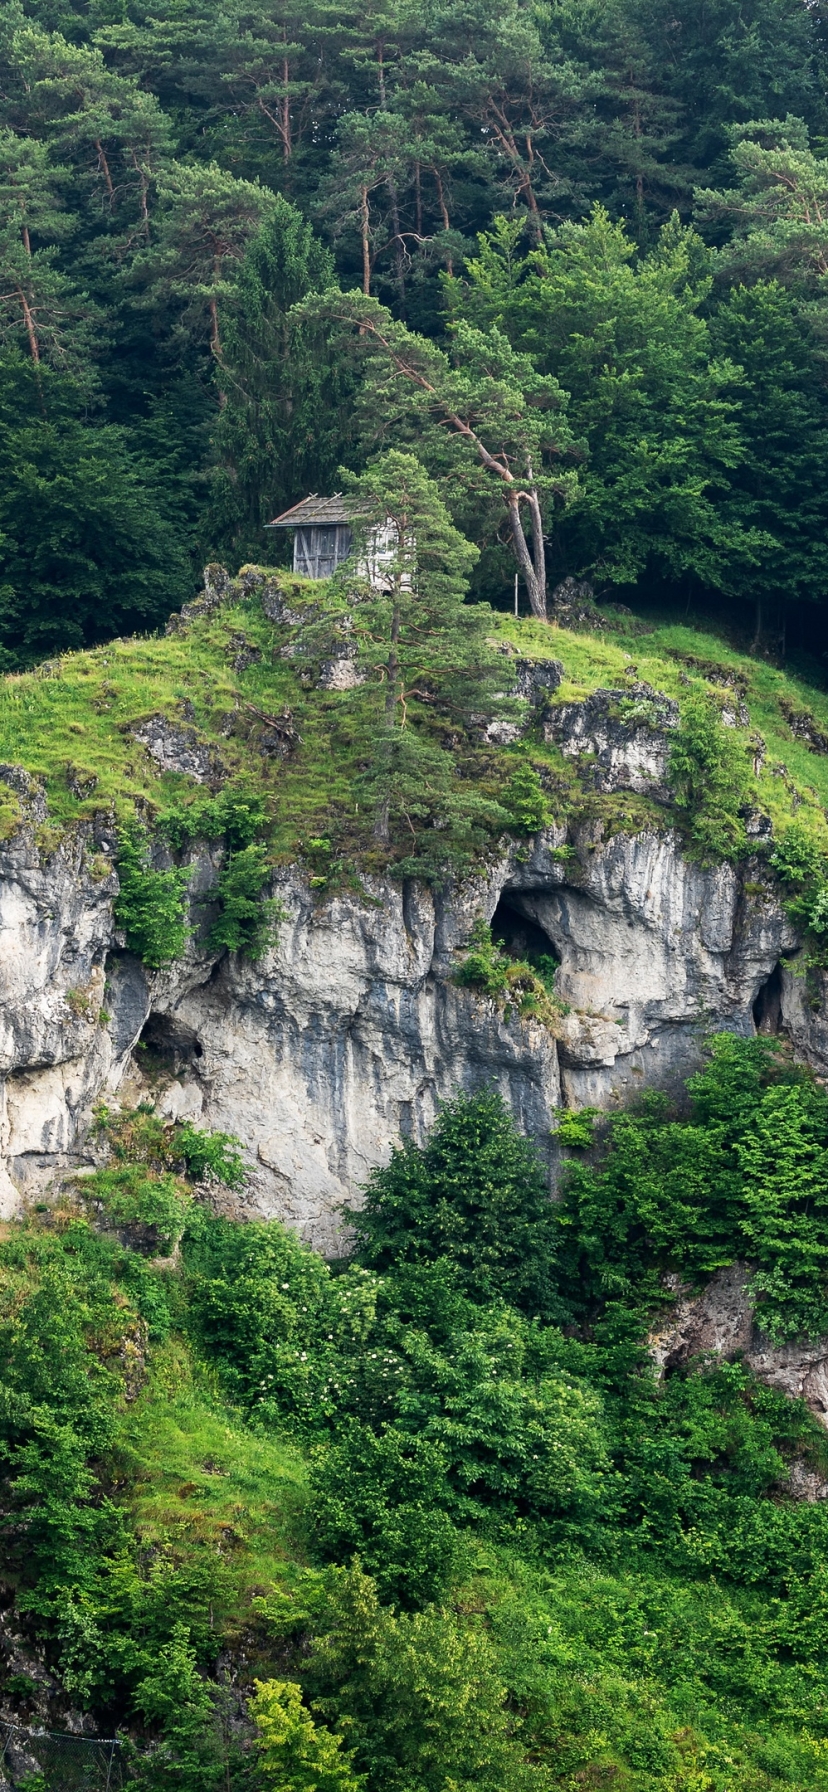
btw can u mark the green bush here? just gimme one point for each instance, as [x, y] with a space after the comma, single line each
[213, 1152]
[527, 983]
[709, 776]
[135, 1197]
[246, 923]
[745, 1177]
[151, 905]
[525, 800]
[237, 815]
[800, 864]
[475, 1194]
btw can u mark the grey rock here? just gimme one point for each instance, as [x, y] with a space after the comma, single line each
[626, 734]
[340, 673]
[351, 1029]
[177, 749]
[27, 788]
[719, 1321]
[535, 680]
[243, 653]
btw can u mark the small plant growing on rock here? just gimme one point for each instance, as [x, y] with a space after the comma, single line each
[525, 800]
[150, 906]
[529, 986]
[246, 923]
[709, 775]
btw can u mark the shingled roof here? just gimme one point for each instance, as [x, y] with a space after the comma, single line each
[312, 512]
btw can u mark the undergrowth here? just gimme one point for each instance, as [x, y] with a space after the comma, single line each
[428, 1517]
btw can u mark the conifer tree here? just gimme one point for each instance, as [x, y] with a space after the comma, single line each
[423, 650]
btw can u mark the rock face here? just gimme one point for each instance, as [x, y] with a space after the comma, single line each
[626, 735]
[718, 1322]
[351, 1030]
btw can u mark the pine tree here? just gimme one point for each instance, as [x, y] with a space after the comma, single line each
[423, 650]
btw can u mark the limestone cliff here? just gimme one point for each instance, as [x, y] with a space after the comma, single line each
[350, 1030]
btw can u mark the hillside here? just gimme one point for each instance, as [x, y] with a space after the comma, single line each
[518, 1494]
[224, 678]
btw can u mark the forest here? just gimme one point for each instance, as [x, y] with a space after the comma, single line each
[426, 1518]
[575, 250]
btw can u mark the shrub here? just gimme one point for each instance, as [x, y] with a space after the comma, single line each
[150, 906]
[294, 1753]
[133, 1196]
[475, 1193]
[525, 800]
[245, 923]
[709, 776]
[238, 815]
[210, 1151]
[528, 983]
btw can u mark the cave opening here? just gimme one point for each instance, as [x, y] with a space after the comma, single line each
[168, 1046]
[767, 1008]
[520, 936]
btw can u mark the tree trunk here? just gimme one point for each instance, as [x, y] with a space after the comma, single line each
[364, 219]
[287, 143]
[534, 576]
[104, 168]
[144, 192]
[392, 674]
[441, 201]
[31, 332]
[757, 632]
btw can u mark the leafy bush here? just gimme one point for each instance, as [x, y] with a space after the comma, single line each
[237, 815]
[528, 982]
[150, 906]
[142, 1136]
[385, 1498]
[295, 1754]
[213, 1152]
[799, 861]
[135, 1197]
[419, 1697]
[245, 923]
[746, 1177]
[475, 1194]
[525, 800]
[709, 776]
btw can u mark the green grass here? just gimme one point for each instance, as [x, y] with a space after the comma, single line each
[590, 661]
[202, 1482]
[71, 723]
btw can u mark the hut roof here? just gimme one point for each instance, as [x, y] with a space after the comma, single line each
[313, 511]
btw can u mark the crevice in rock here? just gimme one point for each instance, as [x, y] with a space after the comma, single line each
[168, 1046]
[518, 935]
[767, 1008]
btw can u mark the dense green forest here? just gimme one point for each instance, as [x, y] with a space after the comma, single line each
[584, 248]
[426, 1520]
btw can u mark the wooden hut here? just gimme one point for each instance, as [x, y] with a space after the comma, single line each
[321, 534]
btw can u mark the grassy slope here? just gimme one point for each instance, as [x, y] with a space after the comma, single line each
[618, 1665]
[204, 1483]
[70, 722]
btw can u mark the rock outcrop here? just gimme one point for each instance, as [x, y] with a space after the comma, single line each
[351, 1030]
[719, 1322]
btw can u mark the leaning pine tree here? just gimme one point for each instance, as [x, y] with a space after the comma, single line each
[427, 658]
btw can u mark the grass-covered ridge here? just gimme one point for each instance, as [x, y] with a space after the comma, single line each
[234, 681]
[434, 1499]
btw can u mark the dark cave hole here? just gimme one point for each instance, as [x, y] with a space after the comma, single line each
[166, 1044]
[519, 936]
[767, 1009]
